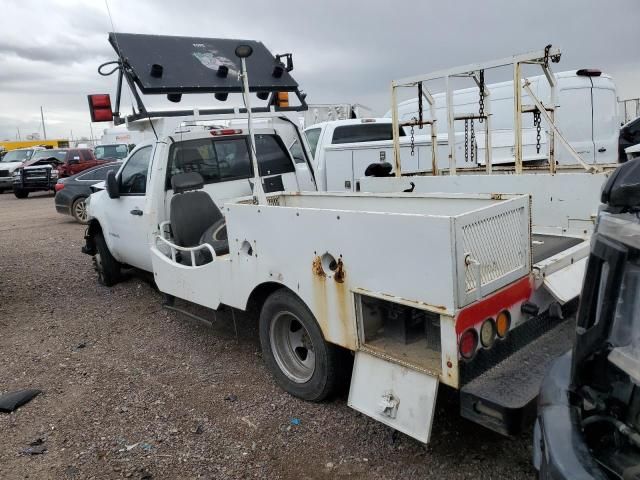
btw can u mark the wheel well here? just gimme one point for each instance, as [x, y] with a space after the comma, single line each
[259, 295]
[93, 228]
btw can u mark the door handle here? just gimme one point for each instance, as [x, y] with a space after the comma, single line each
[136, 211]
[602, 150]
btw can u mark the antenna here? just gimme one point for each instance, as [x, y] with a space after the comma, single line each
[243, 52]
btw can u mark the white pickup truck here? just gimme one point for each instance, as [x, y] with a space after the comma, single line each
[423, 288]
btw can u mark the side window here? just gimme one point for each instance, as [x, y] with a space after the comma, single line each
[272, 156]
[222, 160]
[86, 156]
[216, 160]
[97, 174]
[133, 178]
[313, 135]
[73, 155]
[296, 152]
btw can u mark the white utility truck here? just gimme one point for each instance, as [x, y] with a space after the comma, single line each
[423, 288]
[586, 115]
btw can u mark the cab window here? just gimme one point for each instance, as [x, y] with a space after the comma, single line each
[222, 160]
[365, 132]
[133, 178]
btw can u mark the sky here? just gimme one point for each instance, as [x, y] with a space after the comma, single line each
[345, 51]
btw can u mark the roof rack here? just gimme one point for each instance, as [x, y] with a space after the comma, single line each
[173, 66]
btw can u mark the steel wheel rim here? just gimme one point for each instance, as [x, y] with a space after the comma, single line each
[292, 348]
[80, 210]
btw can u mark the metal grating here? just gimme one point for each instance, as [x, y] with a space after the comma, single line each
[497, 243]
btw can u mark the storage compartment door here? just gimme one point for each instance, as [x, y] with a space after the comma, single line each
[339, 170]
[566, 284]
[395, 395]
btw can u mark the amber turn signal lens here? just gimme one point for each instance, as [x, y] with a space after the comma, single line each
[503, 323]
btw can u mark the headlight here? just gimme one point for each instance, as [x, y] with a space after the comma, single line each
[54, 173]
[16, 173]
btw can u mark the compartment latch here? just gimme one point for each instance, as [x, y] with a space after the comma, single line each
[388, 405]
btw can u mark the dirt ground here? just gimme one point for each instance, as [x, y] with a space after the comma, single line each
[134, 391]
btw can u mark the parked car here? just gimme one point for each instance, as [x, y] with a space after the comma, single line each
[629, 136]
[71, 192]
[114, 152]
[45, 167]
[588, 424]
[10, 161]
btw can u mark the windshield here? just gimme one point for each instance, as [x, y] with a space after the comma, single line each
[111, 151]
[17, 156]
[57, 154]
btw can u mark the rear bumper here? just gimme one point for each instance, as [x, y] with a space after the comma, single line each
[64, 209]
[503, 398]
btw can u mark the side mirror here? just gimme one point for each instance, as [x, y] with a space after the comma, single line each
[113, 187]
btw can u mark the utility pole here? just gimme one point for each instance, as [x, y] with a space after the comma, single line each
[44, 130]
[91, 129]
[19, 137]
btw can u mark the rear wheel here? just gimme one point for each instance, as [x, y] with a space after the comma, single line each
[107, 267]
[19, 193]
[295, 351]
[79, 210]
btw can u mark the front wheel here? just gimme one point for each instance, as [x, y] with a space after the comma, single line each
[79, 211]
[19, 193]
[294, 349]
[107, 267]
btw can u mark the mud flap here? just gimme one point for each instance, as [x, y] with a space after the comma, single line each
[393, 394]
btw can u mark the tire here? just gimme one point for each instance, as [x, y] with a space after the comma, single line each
[289, 334]
[79, 210]
[107, 267]
[19, 193]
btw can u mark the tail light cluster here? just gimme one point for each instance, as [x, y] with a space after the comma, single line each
[485, 336]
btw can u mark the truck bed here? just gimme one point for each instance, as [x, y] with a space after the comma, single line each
[546, 246]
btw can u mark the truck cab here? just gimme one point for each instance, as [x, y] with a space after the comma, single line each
[143, 189]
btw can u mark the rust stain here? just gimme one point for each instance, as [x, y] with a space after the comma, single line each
[340, 272]
[316, 267]
[496, 196]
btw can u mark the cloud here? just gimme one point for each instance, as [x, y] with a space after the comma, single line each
[344, 51]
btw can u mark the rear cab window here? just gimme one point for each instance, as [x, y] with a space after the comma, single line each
[364, 132]
[227, 159]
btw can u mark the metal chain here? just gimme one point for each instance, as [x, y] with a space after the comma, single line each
[413, 140]
[538, 124]
[481, 111]
[473, 143]
[466, 140]
[420, 105]
[546, 55]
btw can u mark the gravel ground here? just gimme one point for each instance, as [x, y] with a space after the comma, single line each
[134, 391]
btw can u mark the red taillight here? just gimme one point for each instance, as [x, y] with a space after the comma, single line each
[468, 343]
[59, 186]
[100, 108]
[227, 131]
